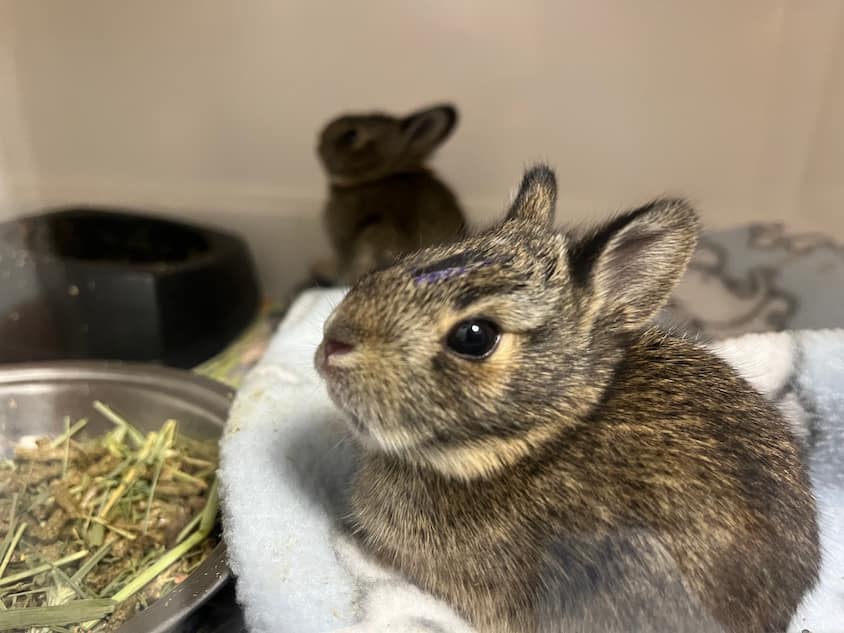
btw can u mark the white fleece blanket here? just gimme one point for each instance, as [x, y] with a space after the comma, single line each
[284, 469]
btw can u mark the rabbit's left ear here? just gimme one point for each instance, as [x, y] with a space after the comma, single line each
[425, 130]
[633, 262]
[537, 197]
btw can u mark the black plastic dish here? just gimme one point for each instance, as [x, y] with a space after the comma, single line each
[96, 283]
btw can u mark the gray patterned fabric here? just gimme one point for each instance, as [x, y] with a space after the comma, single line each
[760, 278]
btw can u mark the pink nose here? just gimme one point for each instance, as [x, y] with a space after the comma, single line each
[335, 348]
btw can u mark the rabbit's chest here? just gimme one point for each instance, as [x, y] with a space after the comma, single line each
[443, 538]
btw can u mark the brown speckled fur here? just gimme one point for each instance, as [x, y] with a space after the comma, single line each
[382, 201]
[592, 474]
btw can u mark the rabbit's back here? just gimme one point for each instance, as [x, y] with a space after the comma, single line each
[375, 222]
[712, 467]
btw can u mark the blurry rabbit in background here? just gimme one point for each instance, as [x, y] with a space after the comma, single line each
[383, 201]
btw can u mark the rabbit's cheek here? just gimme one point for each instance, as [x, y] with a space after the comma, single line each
[491, 377]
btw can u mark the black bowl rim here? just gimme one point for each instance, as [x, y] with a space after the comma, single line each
[221, 241]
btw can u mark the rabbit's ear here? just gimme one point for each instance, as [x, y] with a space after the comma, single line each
[633, 262]
[536, 198]
[424, 130]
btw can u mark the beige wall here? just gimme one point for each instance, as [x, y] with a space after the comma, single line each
[209, 108]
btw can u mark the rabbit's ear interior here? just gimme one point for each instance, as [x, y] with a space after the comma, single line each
[633, 262]
[423, 131]
[536, 198]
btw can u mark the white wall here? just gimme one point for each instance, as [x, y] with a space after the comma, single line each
[209, 108]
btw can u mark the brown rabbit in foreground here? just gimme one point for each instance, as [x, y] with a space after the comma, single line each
[382, 201]
[540, 458]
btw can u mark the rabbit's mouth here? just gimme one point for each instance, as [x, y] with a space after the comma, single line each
[370, 412]
[335, 390]
[356, 426]
[364, 422]
[335, 384]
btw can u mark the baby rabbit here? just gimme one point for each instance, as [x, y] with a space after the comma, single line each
[382, 201]
[538, 456]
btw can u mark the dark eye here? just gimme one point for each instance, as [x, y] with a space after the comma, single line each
[475, 338]
[347, 138]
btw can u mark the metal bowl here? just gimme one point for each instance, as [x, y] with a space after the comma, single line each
[34, 398]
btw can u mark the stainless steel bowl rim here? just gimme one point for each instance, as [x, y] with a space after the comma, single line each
[167, 613]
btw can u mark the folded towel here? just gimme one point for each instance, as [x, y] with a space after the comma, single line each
[285, 466]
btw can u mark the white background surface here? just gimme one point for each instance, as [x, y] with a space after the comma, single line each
[209, 109]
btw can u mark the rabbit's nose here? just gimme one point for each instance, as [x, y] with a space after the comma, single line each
[336, 348]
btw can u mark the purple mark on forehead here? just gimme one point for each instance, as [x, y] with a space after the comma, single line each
[439, 275]
[432, 274]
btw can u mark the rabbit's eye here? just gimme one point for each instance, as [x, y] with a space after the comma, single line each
[347, 138]
[475, 338]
